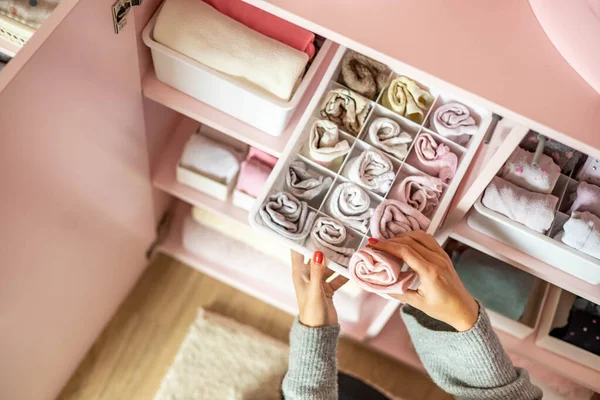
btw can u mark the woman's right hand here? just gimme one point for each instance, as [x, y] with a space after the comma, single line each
[441, 294]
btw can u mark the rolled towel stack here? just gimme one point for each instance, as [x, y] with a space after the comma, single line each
[372, 170]
[406, 98]
[420, 192]
[329, 235]
[347, 109]
[453, 120]
[255, 171]
[582, 232]
[304, 185]
[378, 272]
[534, 210]
[363, 74]
[433, 158]
[286, 215]
[198, 31]
[351, 205]
[325, 145]
[386, 134]
[519, 170]
[393, 217]
[587, 198]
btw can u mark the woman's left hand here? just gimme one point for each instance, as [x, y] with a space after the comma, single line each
[313, 293]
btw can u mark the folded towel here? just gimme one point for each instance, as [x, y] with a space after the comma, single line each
[262, 157]
[325, 145]
[255, 171]
[393, 217]
[582, 232]
[347, 109]
[587, 198]
[329, 235]
[378, 272]
[519, 170]
[286, 215]
[304, 185]
[566, 157]
[267, 24]
[198, 31]
[534, 210]
[351, 205]
[363, 74]
[453, 120]
[434, 158]
[386, 134]
[499, 286]
[420, 192]
[406, 98]
[211, 158]
[371, 169]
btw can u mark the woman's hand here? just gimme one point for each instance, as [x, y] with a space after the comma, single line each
[441, 294]
[313, 293]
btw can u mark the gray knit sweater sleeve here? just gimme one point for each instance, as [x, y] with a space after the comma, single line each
[312, 369]
[468, 365]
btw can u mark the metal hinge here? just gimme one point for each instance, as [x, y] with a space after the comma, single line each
[119, 13]
[162, 229]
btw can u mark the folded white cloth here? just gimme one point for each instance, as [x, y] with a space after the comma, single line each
[453, 120]
[386, 134]
[325, 145]
[351, 205]
[286, 215]
[347, 109]
[211, 158]
[582, 232]
[534, 210]
[406, 98]
[302, 184]
[519, 170]
[329, 235]
[372, 170]
[196, 30]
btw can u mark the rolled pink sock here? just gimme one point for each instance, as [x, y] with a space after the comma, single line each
[434, 158]
[420, 192]
[378, 272]
[393, 217]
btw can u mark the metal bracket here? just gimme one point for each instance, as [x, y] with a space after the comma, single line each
[119, 13]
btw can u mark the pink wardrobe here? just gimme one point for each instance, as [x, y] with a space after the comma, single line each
[89, 141]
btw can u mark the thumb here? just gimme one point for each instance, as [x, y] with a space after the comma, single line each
[317, 270]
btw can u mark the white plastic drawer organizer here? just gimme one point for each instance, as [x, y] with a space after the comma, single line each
[319, 208]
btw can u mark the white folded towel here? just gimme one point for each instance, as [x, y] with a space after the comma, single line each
[371, 169]
[519, 170]
[582, 232]
[196, 30]
[325, 145]
[211, 158]
[351, 205]
[386, 134]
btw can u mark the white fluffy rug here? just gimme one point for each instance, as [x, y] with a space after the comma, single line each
[221, 359]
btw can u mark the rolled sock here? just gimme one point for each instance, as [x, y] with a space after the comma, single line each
[453, 120]
[211, 158]
[325, 145]
[372, 170]
[304, 185]
[386, 134]
[433, 158]
[406, 98]
[347, 109]
[534, 210]
[351, 205]
[393, 217]
[363, 74]
[519, 170]
[582, 232]
[420, 192]
[329, 235]
[378, 272]
[286, 215]
[588, 198]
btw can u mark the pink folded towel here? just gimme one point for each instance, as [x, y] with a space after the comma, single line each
[535, 210]
[588, 199]
[255, 171]
[420, 192]
[453, 120]
[582, 232]
[267, 24]
[259, 155]
[434, 159]
[393, 217]
[378, 272]
[519, 170]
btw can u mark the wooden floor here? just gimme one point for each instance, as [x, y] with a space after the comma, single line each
[130, 358]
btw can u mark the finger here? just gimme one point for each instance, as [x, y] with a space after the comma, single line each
[338, 282]
[317, 271]
[414, 260]
[427, 254]
[426, 240]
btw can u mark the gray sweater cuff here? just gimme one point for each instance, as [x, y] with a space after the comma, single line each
[312, 370]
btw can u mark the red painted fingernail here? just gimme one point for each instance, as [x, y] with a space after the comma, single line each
[318, 257]
[373, 240]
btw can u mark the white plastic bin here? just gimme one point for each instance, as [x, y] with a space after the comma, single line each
[244, 102]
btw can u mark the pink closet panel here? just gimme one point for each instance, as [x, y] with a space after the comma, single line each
[76, 201]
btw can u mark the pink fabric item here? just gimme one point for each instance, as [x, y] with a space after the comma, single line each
[434, 159]
[261, 156]
[420, 192]
[393, 217]
[255, 171]
[588, 198]
[267, 24]
[378, 272]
